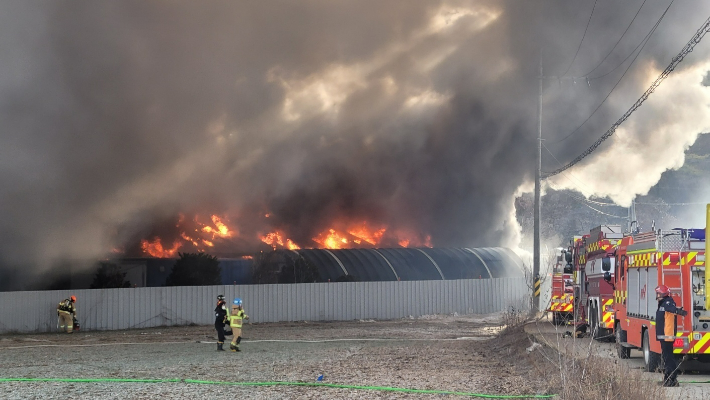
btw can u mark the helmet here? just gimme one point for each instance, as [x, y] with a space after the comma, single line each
[220, 297]
[663, 290]
[73, 299]
[238, 301]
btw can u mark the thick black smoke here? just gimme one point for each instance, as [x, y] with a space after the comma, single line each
[421, 116]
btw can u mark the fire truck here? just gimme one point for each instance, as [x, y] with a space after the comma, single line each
[596, 275]
[563, 285]
[582, 292]
[675, 258]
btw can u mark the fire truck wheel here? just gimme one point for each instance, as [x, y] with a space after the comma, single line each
[621, 351]
[651, 360]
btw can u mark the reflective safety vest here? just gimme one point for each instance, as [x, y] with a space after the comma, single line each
[235, 320]
[666, 324]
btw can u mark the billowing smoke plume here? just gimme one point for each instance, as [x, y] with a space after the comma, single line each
[417, 116]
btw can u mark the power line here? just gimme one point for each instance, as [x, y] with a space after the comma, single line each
[599, 211]
[641, 45]
[581, 41]
[618, 41]
[569, 176]
[672, 204]
[674, 63]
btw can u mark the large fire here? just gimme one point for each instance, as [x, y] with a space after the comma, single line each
[197, 234]
[350, 236]
[276, 238]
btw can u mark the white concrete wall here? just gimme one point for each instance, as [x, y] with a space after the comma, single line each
[113, 309]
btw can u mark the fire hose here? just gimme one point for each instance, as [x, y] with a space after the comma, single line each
[281, 383]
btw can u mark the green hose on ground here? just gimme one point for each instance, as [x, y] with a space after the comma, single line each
[277, 383]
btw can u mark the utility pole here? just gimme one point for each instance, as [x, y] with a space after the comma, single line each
[538, 177]
[536, 216]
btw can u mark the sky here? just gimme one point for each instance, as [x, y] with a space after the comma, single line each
[417, 117]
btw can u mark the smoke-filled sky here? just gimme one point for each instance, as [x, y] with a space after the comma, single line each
[417, 116]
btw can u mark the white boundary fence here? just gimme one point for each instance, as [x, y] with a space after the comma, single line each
[114, 309]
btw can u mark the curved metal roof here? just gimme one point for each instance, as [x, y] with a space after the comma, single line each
[410, 264]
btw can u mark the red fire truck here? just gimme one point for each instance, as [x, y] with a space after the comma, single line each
[597, 271]
[563, 285]
[675, 258]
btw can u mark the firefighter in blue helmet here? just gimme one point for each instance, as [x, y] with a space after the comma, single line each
[236, 317]
[221, 316]
[666, 326]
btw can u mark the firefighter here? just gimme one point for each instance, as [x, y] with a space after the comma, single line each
[66, 313]
[221, 316]
[235, 322]
[666, 325]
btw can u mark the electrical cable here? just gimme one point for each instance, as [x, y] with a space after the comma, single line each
[568, 175]
[581, 41]
[641, 45]
[618, 41]
[281, 383]
[697, 38]
[599, 211]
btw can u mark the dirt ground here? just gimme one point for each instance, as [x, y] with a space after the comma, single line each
[446, 353]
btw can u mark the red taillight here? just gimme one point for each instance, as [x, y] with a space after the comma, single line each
[678, 343]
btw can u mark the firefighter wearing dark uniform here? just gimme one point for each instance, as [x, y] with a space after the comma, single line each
[666, 326]
[220, 318]
[236, 317]
[66, 313]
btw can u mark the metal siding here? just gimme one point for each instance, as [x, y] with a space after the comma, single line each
[103, 309]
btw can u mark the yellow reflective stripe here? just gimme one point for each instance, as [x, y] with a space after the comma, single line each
[701, 343]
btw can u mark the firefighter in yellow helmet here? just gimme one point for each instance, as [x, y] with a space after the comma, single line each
[66, 312]
[236, 316]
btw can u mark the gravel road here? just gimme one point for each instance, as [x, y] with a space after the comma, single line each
[451, 353]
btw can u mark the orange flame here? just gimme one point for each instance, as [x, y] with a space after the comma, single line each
[223, 230]
[276, 238]
[203, 236]
[362, 232]
[156, 249]
[331, 240]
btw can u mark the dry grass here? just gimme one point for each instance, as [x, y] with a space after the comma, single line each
[602, 378]
[590, 377]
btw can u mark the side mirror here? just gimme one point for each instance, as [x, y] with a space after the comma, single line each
[607, 276]
[606, 265]
[568, 256]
